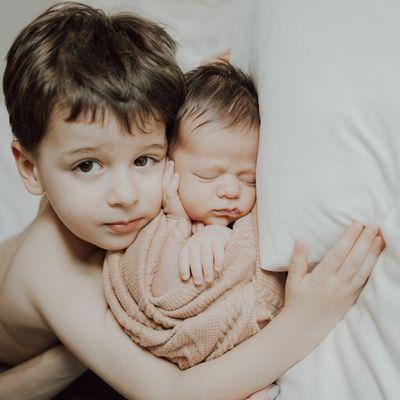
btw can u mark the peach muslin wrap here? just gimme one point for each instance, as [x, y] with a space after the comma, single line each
[192, 324]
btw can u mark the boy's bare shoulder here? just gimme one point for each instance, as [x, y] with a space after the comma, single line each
[41, 270]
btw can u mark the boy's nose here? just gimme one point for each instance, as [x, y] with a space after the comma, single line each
[122, 191]
[229, 189]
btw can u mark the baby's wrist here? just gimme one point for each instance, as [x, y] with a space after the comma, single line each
[179, 227]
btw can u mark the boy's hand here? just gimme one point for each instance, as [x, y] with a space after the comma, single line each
[322, 297]
[203, 253]
[172, 205]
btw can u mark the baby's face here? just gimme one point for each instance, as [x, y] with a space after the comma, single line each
[217, 168]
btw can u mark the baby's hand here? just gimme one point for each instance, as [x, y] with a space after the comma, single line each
[172, 205]
[203, 253]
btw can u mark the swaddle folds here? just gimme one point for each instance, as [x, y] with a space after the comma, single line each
[192, 324]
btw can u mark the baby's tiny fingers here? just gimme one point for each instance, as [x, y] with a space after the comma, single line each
[184, 270]
[207, 262]
[172, 188]
[195, 265]
[218, 253]
[169, 170]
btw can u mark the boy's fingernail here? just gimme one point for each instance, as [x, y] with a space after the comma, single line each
[373, 229]
[298, 247]
[274, 392]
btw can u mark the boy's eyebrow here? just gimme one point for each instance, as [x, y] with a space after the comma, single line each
[155, 146]
[88, 149]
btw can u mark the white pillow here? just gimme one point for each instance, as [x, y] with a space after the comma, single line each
[328, 76]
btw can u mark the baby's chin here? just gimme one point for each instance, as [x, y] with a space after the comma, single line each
[217, 220]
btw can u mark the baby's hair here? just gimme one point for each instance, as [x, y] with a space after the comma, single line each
[217, 92]
[84, 62]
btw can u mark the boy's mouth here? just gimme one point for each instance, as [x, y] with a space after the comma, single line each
[124, 226]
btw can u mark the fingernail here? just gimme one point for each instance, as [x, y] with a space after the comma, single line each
[378, 243]
[274, 392]
[373, 229]
[298, 247]
[357, 226]
[185, 277]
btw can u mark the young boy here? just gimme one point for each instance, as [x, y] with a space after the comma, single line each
[89, 98]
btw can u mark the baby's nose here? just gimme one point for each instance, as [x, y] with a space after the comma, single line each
[229, 189]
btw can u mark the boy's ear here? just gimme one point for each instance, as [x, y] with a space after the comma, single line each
[27, 168]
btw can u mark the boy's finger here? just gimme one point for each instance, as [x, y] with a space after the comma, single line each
[184, 270]
[207, 263]
[357, 254]
[336, 256]
[298, 262]
[218, 254]
[360, 278]
[195, 265]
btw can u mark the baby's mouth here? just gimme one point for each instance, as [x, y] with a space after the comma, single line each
[227, 212]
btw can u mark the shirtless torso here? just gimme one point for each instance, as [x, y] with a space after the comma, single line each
[24, 332]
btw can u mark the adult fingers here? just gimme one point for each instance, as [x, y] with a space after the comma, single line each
[298, 263]
[357, 254]
[336, 256]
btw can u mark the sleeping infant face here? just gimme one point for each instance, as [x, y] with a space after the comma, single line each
[217, 167]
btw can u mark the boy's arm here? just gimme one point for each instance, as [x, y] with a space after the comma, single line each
[41, 377]
[70, 298]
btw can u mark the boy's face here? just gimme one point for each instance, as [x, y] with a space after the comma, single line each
[217, 168]
[104, 184]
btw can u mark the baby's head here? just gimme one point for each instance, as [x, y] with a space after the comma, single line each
[214, 144]
[89, 97]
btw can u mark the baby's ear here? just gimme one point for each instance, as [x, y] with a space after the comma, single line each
[27, 168]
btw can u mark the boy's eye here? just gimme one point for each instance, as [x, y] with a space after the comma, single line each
[87, 167]
[143, 161]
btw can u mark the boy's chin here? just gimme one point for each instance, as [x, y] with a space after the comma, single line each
[117, 243]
